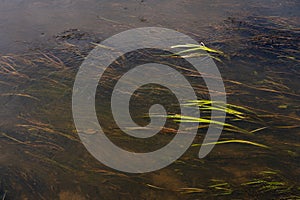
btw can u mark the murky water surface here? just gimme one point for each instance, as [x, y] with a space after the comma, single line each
[42, 46]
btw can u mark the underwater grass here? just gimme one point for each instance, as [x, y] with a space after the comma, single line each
[180, 190]
[190, 190]
[221, 188]
[232, 141]
[20, 95]
[192, 50]
[271, 181]
[233, 113]
[47, 130]
[266, 186]
[188, 119]
[45, 144]
[219, 104]
[196, 47]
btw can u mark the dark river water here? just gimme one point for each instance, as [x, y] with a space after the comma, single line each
[42, 45]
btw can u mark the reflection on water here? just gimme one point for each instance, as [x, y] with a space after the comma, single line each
[43, 44]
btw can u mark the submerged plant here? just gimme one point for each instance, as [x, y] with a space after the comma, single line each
[233, 141]
[196, 50]
[233, 113]
[273, 182]
[221, 188]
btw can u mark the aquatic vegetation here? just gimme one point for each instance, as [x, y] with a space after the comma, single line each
[46, 130]
[233, 141]
[194, 50]
[195, 47]
[190, 190]
[272, 182]
[221, 188]
[233, 113]
[260, 105]
[188, 119]
[20, 95]
[8, 66]
[46, 144]
[180, 190]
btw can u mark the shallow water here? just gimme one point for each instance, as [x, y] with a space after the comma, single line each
[43, 44]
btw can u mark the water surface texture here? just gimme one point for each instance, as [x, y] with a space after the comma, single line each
[42, 45]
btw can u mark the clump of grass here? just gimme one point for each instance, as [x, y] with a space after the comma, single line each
[188, 119]
[271, 182]
[233, 113]
[196, 50]
[8, 66]
[221, 188]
